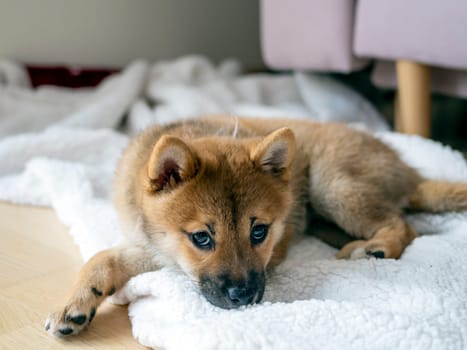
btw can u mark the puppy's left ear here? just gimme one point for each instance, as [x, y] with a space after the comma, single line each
[275, 152]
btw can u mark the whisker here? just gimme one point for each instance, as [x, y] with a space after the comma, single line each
[235, 131]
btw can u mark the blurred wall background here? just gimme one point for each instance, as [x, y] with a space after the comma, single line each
[114, 32]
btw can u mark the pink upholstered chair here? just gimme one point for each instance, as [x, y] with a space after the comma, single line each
[420, 45]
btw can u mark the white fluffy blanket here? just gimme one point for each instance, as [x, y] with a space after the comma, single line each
[59, 148]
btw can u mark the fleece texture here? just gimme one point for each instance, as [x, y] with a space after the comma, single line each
[59, 148]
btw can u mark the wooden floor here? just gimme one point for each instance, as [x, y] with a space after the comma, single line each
[38, 263]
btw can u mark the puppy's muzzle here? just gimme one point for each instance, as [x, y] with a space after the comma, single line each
[230, 293]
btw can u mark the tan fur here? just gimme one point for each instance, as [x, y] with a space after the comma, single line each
[439, 196]
[191, 177]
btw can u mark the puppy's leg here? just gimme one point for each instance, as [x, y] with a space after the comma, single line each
[367, 214]
[389, 241]
[100, 277]
[439, 196]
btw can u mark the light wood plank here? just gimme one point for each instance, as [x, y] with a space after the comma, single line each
[38, 264]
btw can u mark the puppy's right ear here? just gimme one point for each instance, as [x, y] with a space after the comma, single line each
[171, 162]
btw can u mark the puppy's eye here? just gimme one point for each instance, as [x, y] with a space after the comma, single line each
[202, 240]
[258, 233]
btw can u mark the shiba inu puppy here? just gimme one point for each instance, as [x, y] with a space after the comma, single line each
[221, 197]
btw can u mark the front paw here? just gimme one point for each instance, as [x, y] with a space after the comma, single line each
[376, 248]
[71, 320]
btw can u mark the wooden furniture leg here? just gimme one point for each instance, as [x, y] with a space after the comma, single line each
[413, 98]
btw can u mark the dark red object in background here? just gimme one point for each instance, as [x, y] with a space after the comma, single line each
[67, 76]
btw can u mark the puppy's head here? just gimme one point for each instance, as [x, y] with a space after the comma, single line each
[217, 208]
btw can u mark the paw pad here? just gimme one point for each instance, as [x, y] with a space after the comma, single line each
[92, 314]
[79, 320]
[379, 254]
[96, 292]
[66, 331]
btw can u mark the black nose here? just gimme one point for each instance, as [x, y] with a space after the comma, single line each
[240, 295]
